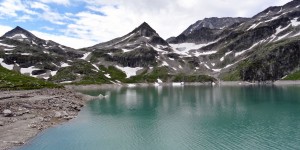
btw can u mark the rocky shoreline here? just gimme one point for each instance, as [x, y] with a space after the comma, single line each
[221, 83]
[23, 114]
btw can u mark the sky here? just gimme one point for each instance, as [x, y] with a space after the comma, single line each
[84, 23]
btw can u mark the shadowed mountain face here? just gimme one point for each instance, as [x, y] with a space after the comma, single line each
[206, 30]
[264, 47]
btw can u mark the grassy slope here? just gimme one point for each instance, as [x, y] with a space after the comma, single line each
[293, 76]
[11, 80]
[117, 75]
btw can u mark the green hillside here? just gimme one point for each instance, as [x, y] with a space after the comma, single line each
[11, 80]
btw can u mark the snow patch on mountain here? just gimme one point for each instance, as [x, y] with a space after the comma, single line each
[243, 51]
[185, 47]
[254, 26]
[63, 64]
[164, 64]
[129, 71]
[197, 54]
[107, 76]
[6, 45]
[8, 49]
[53, 73]
[127, 50]
[85, 55]
[274, 18]
[18, 36]
[283, 36]
[295, 22]
[96, 66]
[28, 70]
[158, 49]
[65, 82]
[280, 29]
[206, 66]
[227, 53]
[9, 67]
[25, 54]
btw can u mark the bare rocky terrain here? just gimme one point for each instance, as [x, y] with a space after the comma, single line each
[23, 114]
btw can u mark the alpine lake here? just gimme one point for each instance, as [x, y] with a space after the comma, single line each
[181, 118]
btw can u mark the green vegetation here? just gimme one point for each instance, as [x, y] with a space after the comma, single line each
[70, 73]
[101, 78]
[157, 73]
[162, 73]
[293, 76]
[232, 76]
[114, 73]
[109, 75]
[193, 78]
[11, 80]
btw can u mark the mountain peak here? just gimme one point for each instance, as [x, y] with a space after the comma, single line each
[19, 29]
[144, 25]
[145, 30]
[18, 32]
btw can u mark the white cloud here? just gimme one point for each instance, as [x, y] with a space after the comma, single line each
[38, 5]
[4, 29]
[24, 18]
[61, 39]
[167, 17]
[27, 10]
[48, 14]
[61, 2]
[9, 8]
[47, 28]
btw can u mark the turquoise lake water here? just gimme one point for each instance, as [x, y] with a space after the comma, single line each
[182, 118]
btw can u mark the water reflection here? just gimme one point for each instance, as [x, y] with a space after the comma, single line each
[179, 118]
[190, 99]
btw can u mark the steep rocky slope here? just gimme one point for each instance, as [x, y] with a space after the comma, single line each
[22, 51]
[264, 47]
[205, 30]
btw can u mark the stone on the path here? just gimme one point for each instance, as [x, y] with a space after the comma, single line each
[57, 114]
[64, 114]
[7, 113]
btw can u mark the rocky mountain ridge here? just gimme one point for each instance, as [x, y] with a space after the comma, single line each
[207, 28]
[262, 48]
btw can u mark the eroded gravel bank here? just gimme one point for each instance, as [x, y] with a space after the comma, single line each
[23, 114]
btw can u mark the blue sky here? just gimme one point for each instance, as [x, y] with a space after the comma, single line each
[83, 23]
